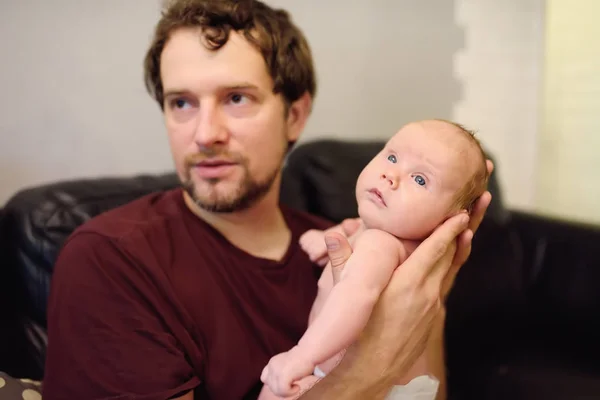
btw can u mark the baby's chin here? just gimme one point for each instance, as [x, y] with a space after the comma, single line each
[409, 230]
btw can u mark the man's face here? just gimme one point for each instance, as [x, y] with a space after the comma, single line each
[228, 132]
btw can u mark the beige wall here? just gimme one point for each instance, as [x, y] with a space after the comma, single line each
[500, 67]
[569, 145]
[74, 105]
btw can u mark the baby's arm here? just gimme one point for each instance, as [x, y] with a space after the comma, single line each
[345, 310]
[326, 281]
[348, 306]
[323, 289]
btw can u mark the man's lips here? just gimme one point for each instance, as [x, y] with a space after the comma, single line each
[377, 197]
[213, 169]
[214, 163]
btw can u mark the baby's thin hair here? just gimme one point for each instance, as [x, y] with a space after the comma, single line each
[478, 183]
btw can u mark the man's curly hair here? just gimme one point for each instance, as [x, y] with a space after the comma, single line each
[283, 46]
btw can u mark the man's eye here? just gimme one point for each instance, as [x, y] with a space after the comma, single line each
[237, 98]
[392, 158]
[180, 103]
[420, 180]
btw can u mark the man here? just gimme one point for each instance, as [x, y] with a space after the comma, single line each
[188, 293]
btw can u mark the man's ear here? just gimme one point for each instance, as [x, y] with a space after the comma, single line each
[297, 115]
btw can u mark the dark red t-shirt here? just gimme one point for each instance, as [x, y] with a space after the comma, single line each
[149, 302]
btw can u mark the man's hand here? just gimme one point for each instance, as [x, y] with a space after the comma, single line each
[401, 322]
[463, 249]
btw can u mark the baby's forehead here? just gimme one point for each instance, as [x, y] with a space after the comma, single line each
[442, 144]
[430, 136]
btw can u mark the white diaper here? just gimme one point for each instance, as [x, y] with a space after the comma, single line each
[422, 387]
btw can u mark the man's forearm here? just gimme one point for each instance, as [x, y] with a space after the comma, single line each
[355, 378]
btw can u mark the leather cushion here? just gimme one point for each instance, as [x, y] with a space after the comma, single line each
[39, 219]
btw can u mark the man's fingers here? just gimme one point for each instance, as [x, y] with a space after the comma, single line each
[490, 166]
[482, 203]
[479, 210]
[448, 281]
[463, 247]
[435, 247]
[338, 250]
[463, 250]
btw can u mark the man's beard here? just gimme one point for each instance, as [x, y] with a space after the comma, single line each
[248, 192]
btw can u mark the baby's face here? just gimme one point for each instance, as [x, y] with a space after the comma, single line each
[411, 186]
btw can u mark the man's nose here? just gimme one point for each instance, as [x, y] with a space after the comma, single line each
[391, 179]
[211, 129]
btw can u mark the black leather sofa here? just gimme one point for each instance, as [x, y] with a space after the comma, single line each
[523, 318]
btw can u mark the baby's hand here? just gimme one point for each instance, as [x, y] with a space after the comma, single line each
[313, 240]
[313, 243]
[284, 370]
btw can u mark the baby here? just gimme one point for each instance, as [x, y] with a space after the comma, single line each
[427, 172]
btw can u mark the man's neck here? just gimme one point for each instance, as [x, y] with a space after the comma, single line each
[260, 230]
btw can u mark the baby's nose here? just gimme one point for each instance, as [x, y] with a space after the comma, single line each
[391, 179]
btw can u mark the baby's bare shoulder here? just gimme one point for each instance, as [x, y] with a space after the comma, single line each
[382, 247]
[382, 240]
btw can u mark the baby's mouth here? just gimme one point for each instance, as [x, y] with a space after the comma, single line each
[377, 196]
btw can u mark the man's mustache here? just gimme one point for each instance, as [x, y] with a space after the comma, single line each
[212, 154]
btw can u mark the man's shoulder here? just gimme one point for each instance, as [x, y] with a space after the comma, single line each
[144, 213]
[303, 221]
[133, 234]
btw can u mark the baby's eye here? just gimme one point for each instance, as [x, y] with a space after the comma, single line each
[392, 159]
[420, 180]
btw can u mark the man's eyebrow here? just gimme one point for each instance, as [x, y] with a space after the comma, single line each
[237, 86]
[241, 86]
[174, 92]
